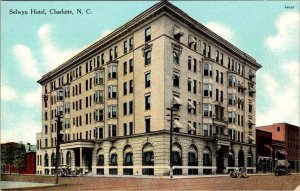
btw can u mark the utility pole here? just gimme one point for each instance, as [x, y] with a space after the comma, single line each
[172, 110]
[58, 139]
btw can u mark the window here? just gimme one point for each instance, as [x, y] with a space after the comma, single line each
[125, 128]
[112, 91]
[130, 44]
[207, 130]
[207, 70]
[116, 52]
[221, 58]
[207, 90]
[148, 158]
[113, 159]
[131, 86]
[67, 107]
[176, 78]
[131, 65]
[125, 88]
[125, 46]
[217, 75]
[250, 108]
[130, 128]
[147, 125]
[112, 72]
[147, 80]
[124, 68]
[217, 56]
[46, 129]
[231, 99]
[208, 51]
[60, 95]
[147, 57]
[112, 130]
[204, 49]
[278, 128]
[189, 84]
[131, 107]
[221, 79]
[175, 57]
[231, 117]
[147, 34]
[128, 159]
[112, 111]
[125, 108]
[231, 81]
[147, 102]
[111, 54]
[99, 96]
[195, 65]
[207, 110]
[102, 59]
[190, 63]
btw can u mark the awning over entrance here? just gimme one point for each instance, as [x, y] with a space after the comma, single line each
[77, 144]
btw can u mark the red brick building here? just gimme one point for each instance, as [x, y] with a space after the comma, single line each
[264, 151]
[285, 142]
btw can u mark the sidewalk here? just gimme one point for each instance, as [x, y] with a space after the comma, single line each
[14, 185]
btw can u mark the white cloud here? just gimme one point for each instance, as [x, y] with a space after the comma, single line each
[287, 33]
[33, 98]
[104, 33]
[222, 30]
[52, 56]
[283, 97]
[24, 129]
[26, 60]
[7, 93]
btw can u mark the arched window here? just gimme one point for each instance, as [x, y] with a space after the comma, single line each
[100, 157]
[177, 155]
[193, 156]
[46, 160]
[113, 160]
[241, 158]
[53, 159]
[231, 162]
[148, 155]
[69, 158]
[207, 157]
[128, 156]
[250, 159]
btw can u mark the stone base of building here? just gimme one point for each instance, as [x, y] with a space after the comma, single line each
[148, 154]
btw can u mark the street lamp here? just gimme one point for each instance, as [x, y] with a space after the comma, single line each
[172, 114]
[58, 140]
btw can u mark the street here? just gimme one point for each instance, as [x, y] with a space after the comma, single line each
[254, 182]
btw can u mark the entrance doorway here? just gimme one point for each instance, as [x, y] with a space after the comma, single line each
[220, 161]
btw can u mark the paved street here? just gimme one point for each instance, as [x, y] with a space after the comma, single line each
[258, 182]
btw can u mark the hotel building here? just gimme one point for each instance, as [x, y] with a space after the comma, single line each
[113, 98]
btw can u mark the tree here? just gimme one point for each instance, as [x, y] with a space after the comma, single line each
[19, 156]
[8, 155]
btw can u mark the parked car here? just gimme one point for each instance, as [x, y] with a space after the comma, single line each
[282, 167]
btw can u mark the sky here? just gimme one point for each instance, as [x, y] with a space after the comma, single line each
[32, 45]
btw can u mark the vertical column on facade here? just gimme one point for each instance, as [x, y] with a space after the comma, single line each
[94, 161]
[185, 150]
[214, 160]
[81, 160]
[137, 160]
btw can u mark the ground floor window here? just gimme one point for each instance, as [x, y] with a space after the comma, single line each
[113, 171]
[177, 171]
[193, 171]
[100, 171]
[128, 171]
[148, 171]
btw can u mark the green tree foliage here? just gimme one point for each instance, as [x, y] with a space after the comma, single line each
[8, 155]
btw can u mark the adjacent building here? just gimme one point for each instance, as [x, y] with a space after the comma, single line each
[264, 151]
[113, 97]
[285, 142]
[29, 163]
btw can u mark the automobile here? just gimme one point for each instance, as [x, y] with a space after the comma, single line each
[282, 168]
